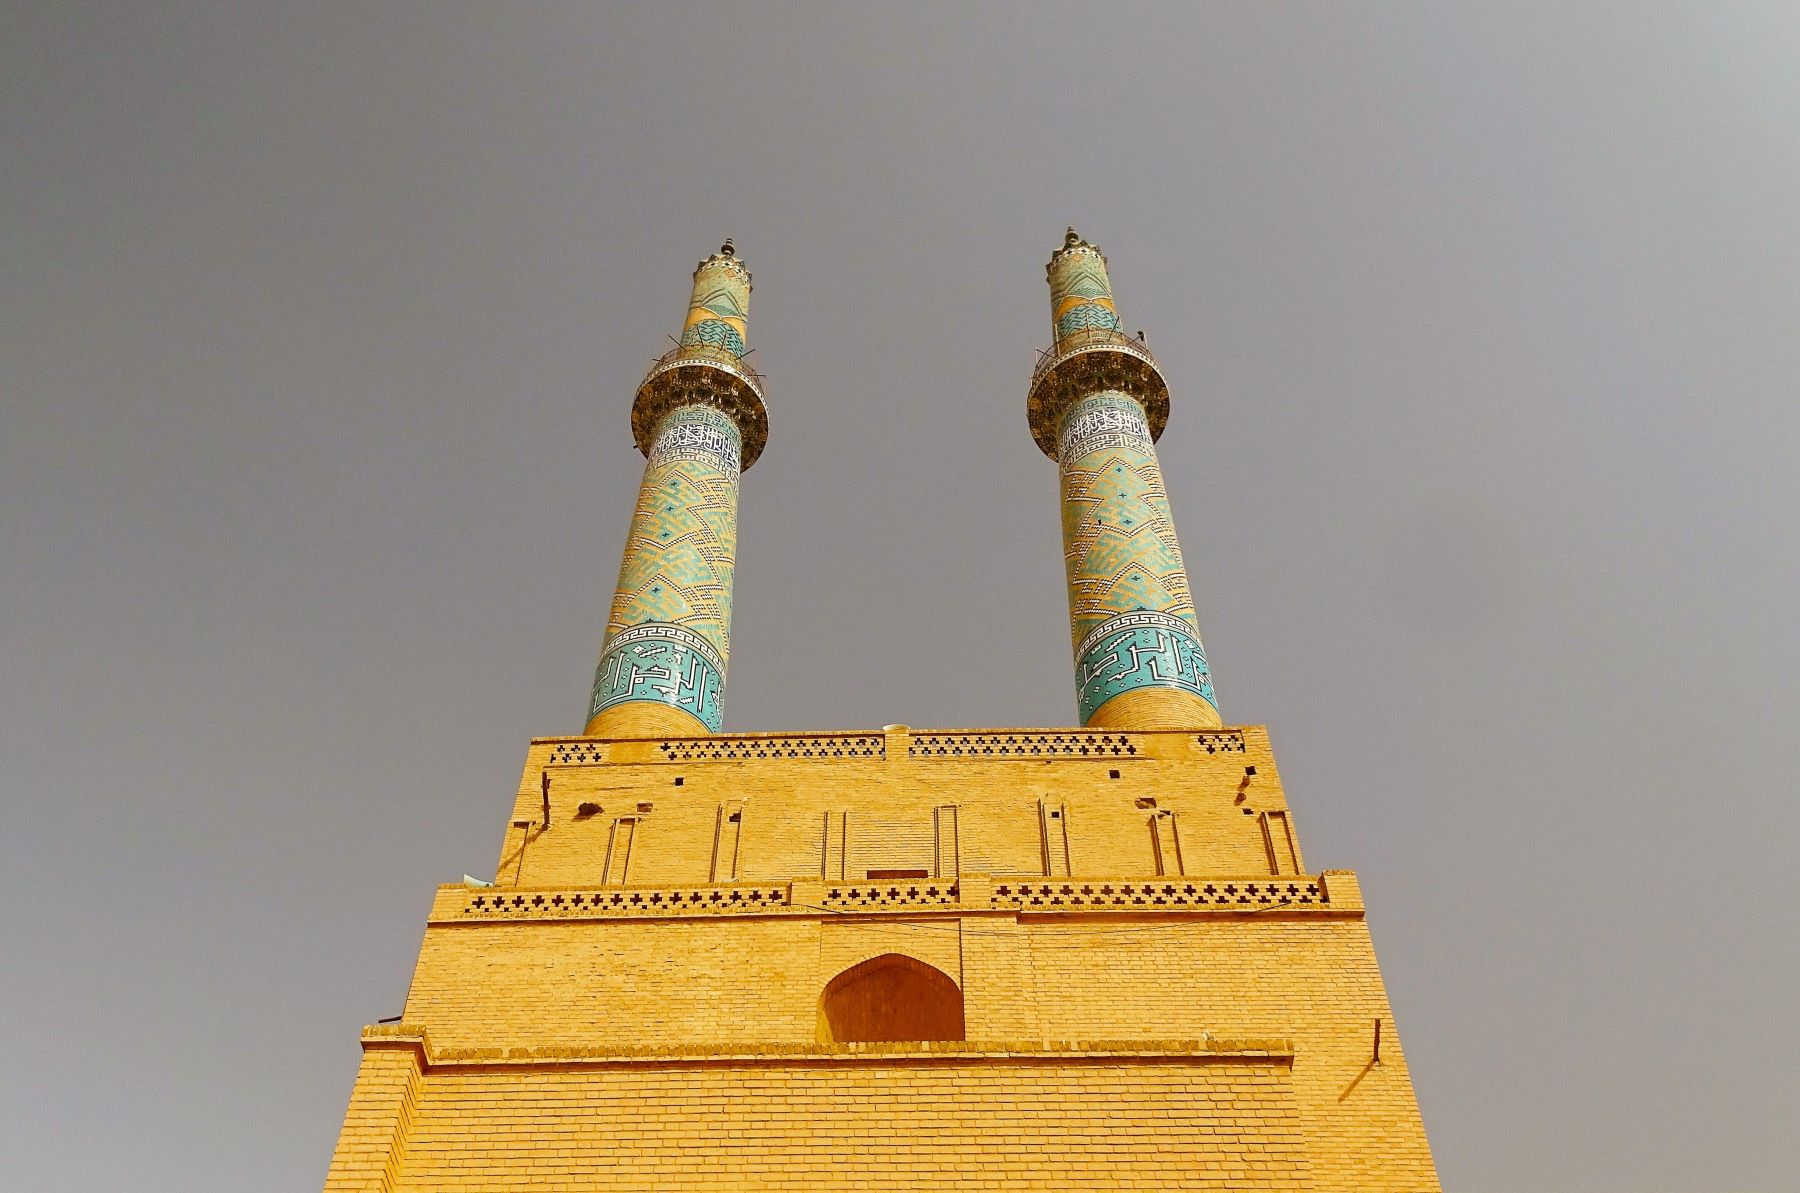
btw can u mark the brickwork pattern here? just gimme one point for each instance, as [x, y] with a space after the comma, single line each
[1031, 1119]
[383, 1109]
[882, 792]
[530, 1003]
[1066, 976]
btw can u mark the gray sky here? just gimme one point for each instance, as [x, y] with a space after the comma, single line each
[320, 328]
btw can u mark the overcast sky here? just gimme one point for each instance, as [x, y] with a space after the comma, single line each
[320, 328]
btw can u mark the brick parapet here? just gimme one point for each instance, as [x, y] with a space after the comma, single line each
[891, 784]
[1342, 890]
[1262, 896]
[895, 743]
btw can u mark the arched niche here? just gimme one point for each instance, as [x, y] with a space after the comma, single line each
[891, 997]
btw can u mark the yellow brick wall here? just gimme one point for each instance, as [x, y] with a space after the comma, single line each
[1315, 981]
[658, 982]
[1045, 1121]
[383, 1111]
[687, 982]
[785, 802]
[600, 981]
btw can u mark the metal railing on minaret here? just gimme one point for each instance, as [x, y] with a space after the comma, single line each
[700, 419]
[1097, 405]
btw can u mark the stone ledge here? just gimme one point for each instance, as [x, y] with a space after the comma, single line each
[1273, 1049]
[404, 1036]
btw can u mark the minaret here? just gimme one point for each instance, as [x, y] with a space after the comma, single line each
[1097, 406]
[700, 420]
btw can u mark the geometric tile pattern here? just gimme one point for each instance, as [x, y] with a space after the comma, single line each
[720, 303]
[668, 637]
[1145, 649]
[1131, 615]
[1081, 296]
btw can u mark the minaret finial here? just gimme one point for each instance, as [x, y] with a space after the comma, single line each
[1072, 238]
[727, 249]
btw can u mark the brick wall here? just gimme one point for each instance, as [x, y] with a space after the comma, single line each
[1049, 1119]
[581, 952]
[889, 804]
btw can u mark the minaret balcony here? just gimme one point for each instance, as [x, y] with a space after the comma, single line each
[703, 375]
[1087, 362]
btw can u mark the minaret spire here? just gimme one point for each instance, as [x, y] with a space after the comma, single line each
[700, 420]
[1097, 405]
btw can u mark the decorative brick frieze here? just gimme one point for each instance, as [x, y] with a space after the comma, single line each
[460, 904]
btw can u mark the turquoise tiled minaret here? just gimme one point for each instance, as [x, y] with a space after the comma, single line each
[700, 420]
[1097, 405]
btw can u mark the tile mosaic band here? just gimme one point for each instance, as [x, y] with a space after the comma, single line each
[664, 663]
[700, 434]
[1139, 650]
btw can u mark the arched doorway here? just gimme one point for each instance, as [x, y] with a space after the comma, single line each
[891, 997]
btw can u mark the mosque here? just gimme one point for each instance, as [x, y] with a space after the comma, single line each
[910, 959]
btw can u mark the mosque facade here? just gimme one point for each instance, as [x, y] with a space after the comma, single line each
[1068, 958]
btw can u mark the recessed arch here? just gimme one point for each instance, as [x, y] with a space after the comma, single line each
[891, 997]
